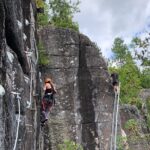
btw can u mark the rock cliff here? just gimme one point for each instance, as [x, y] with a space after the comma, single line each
[138, 130]
[18, 76]
[84, 101]
[83, 110]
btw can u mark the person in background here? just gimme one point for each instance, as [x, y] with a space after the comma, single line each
[115, 82]
[48, 99]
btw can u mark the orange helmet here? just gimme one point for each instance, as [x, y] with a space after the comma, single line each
[47, 80]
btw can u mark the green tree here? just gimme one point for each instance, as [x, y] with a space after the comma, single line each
[43, 18]
[129, 74]
[39, 3]
[142, 54]
[119, 49]
[120, 142]
[148, 112]
[145, 78]
[130, 83]
[43, 57]
[132, 126]
[69, 145]
[141, 48]
[62, 12]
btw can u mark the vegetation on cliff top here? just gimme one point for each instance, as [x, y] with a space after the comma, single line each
[131, 77]
[69, 145]
[132, 63]
[43, 57]
[58, 13]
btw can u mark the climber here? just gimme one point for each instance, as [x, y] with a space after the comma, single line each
[40, 6]
[115, 82]
[48, 99]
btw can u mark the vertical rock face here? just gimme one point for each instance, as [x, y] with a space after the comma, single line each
[83, 111]
[137, 135]
[84, 101]
[18, 76]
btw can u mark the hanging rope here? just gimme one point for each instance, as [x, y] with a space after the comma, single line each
[31, 85]
[31, 71]
[115, 120]
[18, 99]
[37, 54]
[31, 78]
[113, 123]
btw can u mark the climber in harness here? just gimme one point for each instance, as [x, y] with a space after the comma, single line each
[115, 82]
[48, 100]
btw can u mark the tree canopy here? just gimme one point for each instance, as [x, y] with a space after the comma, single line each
[62, 12]
[119, 49]
[129, 74]
[131, 77]
[141, 48]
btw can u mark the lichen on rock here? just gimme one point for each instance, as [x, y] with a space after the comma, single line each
[2, 91]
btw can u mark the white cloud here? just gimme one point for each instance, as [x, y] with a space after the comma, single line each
[103, 20]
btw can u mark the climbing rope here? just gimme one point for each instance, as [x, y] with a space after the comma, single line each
[31, 62]
[36, 51]
[29, 54]
[112, 129]
[30, 96]
[18, 98]
[115, 120]
[31, 85]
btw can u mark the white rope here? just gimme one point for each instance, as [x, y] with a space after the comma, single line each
[29, 54]
[31, 84]
[116, 119]
[31, 71]
[112, 129]
[18, 98]
[37, 54]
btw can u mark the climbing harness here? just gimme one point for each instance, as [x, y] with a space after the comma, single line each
[115, 120]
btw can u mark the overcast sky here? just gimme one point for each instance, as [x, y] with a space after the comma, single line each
[103, 20]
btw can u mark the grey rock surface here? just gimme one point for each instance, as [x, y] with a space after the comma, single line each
[136, 140]
[144, 94]
[18, 74]
[84, 101]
